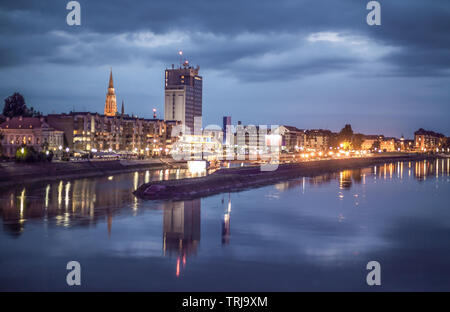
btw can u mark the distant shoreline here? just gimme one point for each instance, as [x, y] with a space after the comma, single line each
[15, 174]
[238, 179]
[12, 174]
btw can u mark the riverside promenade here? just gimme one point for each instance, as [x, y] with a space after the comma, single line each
[15, 173]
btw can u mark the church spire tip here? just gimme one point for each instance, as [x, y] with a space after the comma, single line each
[111, 84]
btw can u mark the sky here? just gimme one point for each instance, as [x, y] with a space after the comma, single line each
[309, 64]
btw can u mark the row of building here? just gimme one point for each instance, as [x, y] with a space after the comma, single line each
[85, 132]
[118, 133]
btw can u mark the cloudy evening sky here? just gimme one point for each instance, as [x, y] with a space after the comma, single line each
[311, 64]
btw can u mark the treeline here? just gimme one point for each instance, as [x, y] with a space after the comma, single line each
[29, 154]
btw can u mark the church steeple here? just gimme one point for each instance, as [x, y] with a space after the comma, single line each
[110, 103]
[123, 109]
[111, 84]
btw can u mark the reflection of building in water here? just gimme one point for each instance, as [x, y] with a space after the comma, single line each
[420, 170]
[322, 179]
[76, 202]
[283, 186]
[357, 175]
[226, 230]
[345, 179]
[181, 227]
[64, 203]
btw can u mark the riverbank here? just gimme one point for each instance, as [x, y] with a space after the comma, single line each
[237, 179]
[17, 173]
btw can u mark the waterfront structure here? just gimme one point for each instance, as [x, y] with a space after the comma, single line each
[425, 140]
[30, 131]
[405, 145]
[183, 95]
[197, 147]
[292, 138]
[318, 139]
[86, 132]
[388, 144]
[370, 142]
[251, 140]
[216, 134]
[111, 103]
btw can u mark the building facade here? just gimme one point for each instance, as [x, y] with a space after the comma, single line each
[30, 131]
[85, 131]
[292, 138]
[227, 130]
[183, 95]
[318, 139]
[388, 145]
[425, 140]
[371, 142]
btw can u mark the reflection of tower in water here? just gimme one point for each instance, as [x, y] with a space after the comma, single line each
[226, 231]
[181, 229]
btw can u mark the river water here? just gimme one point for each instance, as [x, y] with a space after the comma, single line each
[310, 234]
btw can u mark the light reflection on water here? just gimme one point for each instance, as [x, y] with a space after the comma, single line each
[79, 200]
[251, 240]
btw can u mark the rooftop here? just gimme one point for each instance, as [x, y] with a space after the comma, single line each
[24, 123]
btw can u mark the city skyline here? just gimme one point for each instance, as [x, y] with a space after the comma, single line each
[316, 69]
[217, 155]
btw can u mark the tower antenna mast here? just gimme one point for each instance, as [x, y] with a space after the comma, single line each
[181, 57]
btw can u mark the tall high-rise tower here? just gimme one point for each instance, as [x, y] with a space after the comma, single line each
[183, 94]
[226, 129]
[110, 103]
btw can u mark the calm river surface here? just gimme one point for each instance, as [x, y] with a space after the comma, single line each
[306, 234]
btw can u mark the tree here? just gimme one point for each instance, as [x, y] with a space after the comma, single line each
[357, 141]
[346, 133]
[345, 136]
[15, 106]
[375, 145]
[26, 154]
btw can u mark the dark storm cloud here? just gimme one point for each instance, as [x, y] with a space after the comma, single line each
[421, 30]
[317, 57]
[417, 29]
